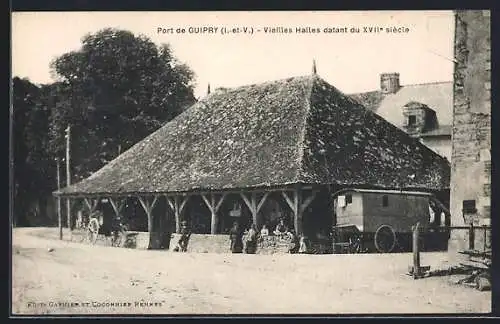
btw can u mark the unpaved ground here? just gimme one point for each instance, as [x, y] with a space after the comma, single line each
[223, 283]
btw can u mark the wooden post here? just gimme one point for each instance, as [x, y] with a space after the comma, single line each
[91, 204]
[213, 205]
[297, 220]
[148, 208]
[254, 206]
[59, 213]
[177, 204]
[68, 175]
[416, 251]
[471, 236]
[167, 216]
[214, 219]
[486, 244]
[298, 206]
[117, 205]
[12, 184]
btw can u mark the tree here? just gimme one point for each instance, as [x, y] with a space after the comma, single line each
[115, 90]
[32, 164]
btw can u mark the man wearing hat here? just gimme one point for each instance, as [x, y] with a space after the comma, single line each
[185, 234]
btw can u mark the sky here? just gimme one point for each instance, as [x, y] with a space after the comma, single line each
[350, 61]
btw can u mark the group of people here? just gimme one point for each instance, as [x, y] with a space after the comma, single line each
[243, 241]
[247, 240]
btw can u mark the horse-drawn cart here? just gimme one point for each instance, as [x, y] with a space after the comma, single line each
[381, 220]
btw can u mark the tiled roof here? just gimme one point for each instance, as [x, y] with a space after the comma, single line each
[297, 130]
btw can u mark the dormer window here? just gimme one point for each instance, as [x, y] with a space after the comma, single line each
[418, 118]
[412, 120]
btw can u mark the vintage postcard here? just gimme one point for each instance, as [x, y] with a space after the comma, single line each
[251, 163]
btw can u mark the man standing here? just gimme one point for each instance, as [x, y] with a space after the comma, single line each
[185, 234]
[236, 238]
[251, 240]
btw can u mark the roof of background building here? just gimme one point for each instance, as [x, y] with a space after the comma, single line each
[438, 96]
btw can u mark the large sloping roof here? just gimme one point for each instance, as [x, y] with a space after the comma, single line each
[297, 130]
[438, 96]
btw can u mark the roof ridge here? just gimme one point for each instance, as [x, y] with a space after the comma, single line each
[301, 147]
[402, 86]
[248, 85]
[426, 83]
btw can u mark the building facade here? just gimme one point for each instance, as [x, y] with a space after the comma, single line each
[470, 186]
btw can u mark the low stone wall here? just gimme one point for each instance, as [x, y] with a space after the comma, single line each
[139, 240]
[198, 243]
[204, 243]
[273, 245]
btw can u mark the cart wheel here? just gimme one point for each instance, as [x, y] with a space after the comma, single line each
[93, 230]
[385, 239]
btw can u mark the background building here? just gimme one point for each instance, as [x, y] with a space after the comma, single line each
[424, 111]
[470, 188]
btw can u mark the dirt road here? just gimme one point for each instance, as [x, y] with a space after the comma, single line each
[79, 279]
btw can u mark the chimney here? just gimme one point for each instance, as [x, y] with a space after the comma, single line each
[389, 83]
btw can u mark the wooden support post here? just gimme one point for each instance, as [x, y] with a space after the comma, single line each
[68, 213]
[297, 220]
[303, 204]
[172, 204]
[416, 251]
[471, 236]
[293, 204]
[416, 270]
[298, 206]
[117, 205]
[148, 208]
[68, 175]
[167, 215]
[214, 219]
[59, 218]
[91, 204]
[59, 212]
[253, 200]
[180, 206]
[486, 244]
[213, 205]
[177, 203]
[254, 205]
